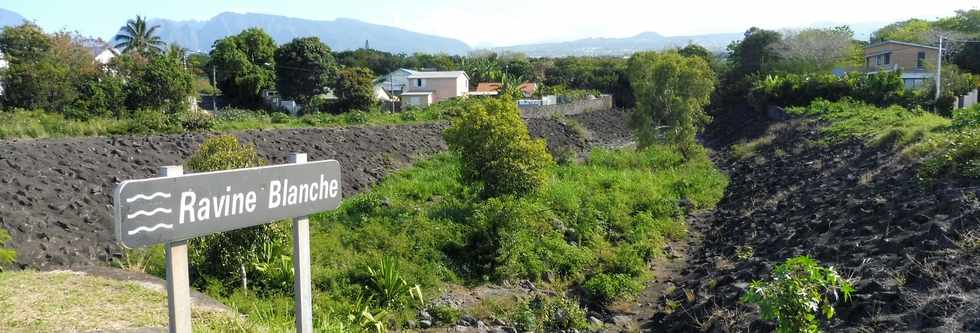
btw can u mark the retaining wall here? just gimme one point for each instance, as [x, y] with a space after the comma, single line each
[604, 102]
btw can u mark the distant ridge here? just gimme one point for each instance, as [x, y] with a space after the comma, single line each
[339, 34]
[623, 46]
[9, 18]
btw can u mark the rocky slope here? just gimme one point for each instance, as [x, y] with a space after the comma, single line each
[55, 195]
[912, 249]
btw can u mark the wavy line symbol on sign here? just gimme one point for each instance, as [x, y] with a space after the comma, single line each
[150, 229]
[146, 213]
[148, 197]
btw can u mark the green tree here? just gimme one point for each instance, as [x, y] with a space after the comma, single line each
[671, 92]
[354, 88]
[46, 71]
[754, 54]
[496, 149]
[379, 62]
[695, 50]
[304, 67]
[24, 43]
[819, 50]
[245, 65]
[138, 36]
[912, 31]
[156, 81]
[230, 256]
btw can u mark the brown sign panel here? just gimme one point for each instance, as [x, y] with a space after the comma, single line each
[167, 209]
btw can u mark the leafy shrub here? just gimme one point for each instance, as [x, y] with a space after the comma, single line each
[232, 256]
[356, 117]
[280, 118]
[553, 314]
[968, 117]
[445, 314]
[881, 89]
[957, 153]
[797, 290]
[515, 239]
[388, 286]
[496, 149]
[146, 121]
[7, 256]
[196, 120]
[607, 288]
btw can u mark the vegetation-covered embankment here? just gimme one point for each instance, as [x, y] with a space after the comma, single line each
[887, 196]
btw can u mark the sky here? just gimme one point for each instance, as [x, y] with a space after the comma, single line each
[502, 22]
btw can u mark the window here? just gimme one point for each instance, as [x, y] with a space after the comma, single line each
[921, 61]
[888, 58]
[418, 83]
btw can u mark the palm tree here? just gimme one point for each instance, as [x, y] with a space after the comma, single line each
[135, 36]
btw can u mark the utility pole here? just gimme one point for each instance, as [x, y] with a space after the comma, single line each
[939, 68]
[214, 93]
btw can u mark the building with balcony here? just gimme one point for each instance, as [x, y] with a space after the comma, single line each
[914, 60]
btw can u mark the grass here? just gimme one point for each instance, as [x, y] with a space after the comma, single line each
[61, 301]
[945, 150]
[607, 216]
[24, 124]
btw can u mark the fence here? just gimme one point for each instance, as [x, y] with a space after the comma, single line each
[604, 102]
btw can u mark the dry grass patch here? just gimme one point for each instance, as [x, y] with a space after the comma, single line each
[63, 301]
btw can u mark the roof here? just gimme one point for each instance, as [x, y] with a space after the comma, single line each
[487, 86]
[526, 87]
[902, 43]
[437, 75]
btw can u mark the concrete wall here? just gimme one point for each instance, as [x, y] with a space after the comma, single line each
[604, 102]
[969, 100]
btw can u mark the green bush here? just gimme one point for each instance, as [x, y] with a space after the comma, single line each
[607, 288]
[881, 89]
[967, 118]
[231, 257]
[798, 290]
[515, 239]
[552, 314]
[280, 118]
[387, 286]
[445, 314]
[496, 149]
[146, 121]
[196, 120]
[7, 256]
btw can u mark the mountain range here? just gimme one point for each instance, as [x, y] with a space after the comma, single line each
[347, 34]
[8, 18]
[339, 34]
[622, 46]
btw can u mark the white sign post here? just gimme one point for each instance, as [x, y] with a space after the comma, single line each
[302, 288]
[175, 207]
[178, 277]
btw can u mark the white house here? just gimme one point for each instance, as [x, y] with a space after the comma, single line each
[394, 83]
[425, 88]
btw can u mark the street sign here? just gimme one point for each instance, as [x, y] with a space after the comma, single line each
[169, 209]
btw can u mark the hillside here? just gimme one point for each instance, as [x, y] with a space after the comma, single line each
[623, 46]
[9, 18]
[339, 34]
